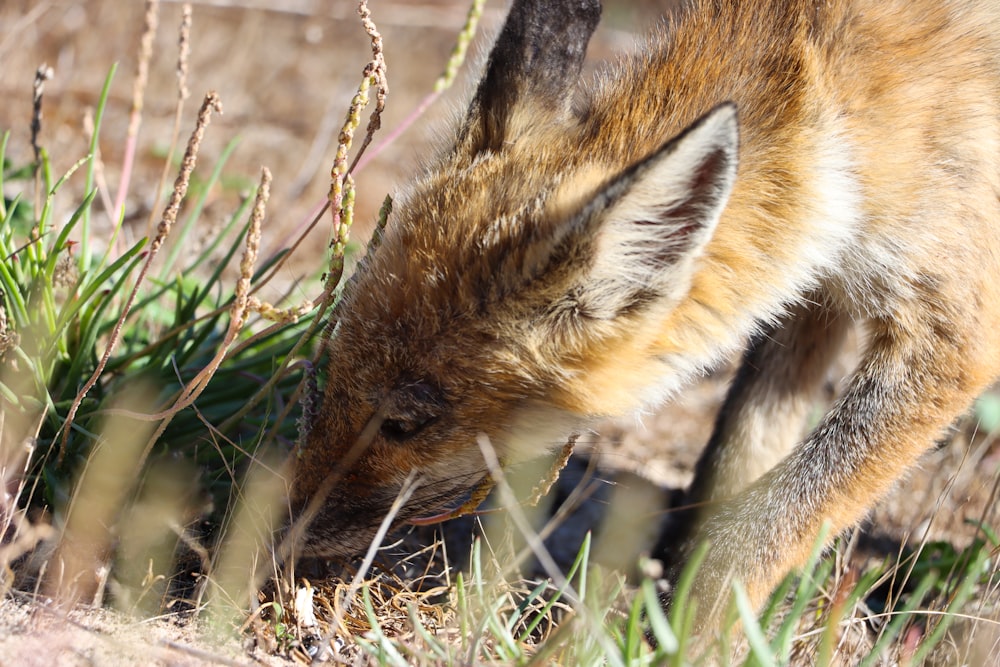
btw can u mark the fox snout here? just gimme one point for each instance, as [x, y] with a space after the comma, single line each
[344, 524]
[338, 512]
[345, 489]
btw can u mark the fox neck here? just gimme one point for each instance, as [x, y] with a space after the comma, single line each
[797, 203]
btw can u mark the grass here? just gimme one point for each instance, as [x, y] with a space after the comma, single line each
[92, 325]
[148, 399]
[131, 369]
[488, 615]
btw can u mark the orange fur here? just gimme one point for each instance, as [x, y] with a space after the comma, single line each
[764, 172]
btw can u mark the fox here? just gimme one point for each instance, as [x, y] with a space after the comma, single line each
[754, 179]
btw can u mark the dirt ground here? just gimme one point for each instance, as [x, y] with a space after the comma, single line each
[285, 77]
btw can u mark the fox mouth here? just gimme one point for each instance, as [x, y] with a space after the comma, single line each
[470, 500]
[477, 494]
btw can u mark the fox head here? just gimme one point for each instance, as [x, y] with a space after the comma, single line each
[519, 290]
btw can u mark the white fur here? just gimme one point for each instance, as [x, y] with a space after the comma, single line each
[836, 217]
[628, 253]
[835, 221]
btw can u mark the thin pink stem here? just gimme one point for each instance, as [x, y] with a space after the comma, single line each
[397, 131]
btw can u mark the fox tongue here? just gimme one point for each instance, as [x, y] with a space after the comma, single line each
[432, 519]
[476, 497]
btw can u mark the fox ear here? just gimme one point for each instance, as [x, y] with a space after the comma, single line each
[644, 230]
[534, 67]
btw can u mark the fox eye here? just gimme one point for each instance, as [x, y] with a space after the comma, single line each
[411, 408]
[405, 427]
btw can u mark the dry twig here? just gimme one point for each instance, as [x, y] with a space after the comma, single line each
[138, 93]
[210, 104]
[42, 74]
[183, 50]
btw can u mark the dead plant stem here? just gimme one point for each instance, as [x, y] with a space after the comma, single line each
[210, 104]
[135, 115]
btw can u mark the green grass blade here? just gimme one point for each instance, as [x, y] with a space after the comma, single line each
[383, 648]
[891, 630]
[209, 250]
[579, 565]
[12, 287]
[760, 651]
[659, 625]
[91, 286]
[812, 574]
[682, 612]
[102, 101]
[60, 242]
[92, 324]
[961, 596]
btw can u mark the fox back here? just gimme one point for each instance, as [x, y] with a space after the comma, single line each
[756, 176]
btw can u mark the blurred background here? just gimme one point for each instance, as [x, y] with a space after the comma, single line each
[285, 73]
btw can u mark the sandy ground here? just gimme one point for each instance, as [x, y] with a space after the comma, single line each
[34, 635]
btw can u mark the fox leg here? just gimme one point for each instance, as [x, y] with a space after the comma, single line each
[916, 375]
[772, 395]
[763, 417]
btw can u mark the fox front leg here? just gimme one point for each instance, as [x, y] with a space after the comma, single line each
[765, 412]
[910, 383]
